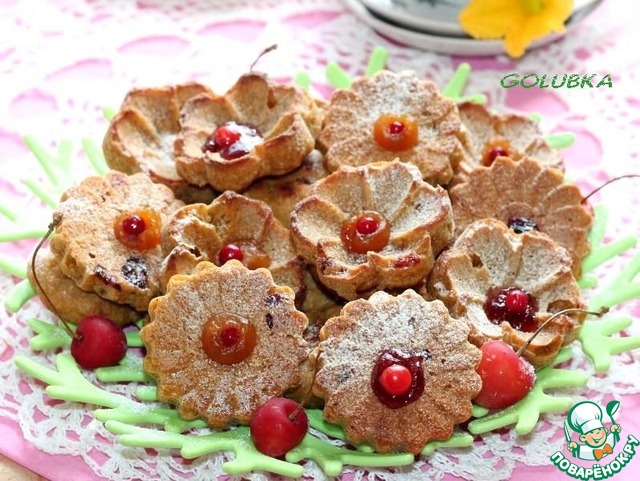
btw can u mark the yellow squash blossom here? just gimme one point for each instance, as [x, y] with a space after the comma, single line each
[519, 22]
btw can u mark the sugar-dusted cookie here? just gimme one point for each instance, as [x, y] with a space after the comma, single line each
[140, 137]
[222, 341]
[506, 285]
[390, 116]
[256, 129]
[231, 227]
[284, 192]
[372, 227]
[486, 136]
[526, 196]
[108, 238]
[63, 297]
[396, 372]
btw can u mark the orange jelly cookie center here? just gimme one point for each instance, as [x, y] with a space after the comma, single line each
[139, 230]
[246, 252]
[228, 339]
[365, 232]
[493, 150]
[395, 133]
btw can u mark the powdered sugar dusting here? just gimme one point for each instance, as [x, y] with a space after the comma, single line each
[222, 394]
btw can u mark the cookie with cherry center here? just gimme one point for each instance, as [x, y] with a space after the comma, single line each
[396, 371]
[141, 135]
[373, 227]
[486, 135]
[505, 285]
[258, 128]
[231, 227]
[526, 196]
[393, 116]
[223, 341]
[108, 237]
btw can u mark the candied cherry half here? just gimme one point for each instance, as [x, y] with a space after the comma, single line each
[397, 378]
[513, 305]
[495, 149]
[365, 232]
[228, 338]
[232, 140]
[395, 132]
[246, 252]
[139, 230]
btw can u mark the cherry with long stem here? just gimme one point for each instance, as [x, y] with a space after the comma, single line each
[57, 218]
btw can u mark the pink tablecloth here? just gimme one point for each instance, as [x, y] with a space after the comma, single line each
[63, 60]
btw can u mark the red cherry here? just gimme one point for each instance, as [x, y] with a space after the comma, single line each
[228, 252]
[494, 153]
[396, 127]
[516, 301]
[506, 378]
[513, 305]
[224, 137]
[133, 225]
[396, 379]
[275, 429]
[99, 342]
[230, 336]
[366, 225]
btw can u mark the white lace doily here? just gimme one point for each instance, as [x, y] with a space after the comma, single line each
[63, 61]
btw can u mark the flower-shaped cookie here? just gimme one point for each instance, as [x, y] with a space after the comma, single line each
[231, 227]
[406, 338]
[223, 341]
[486, 136]
[526, 196]
[256, 129]
[390, 116]
[64, 298]
[140, 137]
[373, 227]
[284, 192]
[506, 285]
[108, 238]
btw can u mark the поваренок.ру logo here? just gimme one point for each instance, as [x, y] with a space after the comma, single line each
[598, 442]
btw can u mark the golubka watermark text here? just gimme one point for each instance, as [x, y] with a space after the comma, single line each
[556, 81]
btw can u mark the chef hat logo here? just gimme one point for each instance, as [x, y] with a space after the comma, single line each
[585, 417]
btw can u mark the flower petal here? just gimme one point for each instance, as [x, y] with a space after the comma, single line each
[491, 18]
[527, 29]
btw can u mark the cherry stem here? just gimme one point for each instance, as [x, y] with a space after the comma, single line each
[57, 218]
[524, 347]
[615, 179]
[262, 54]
